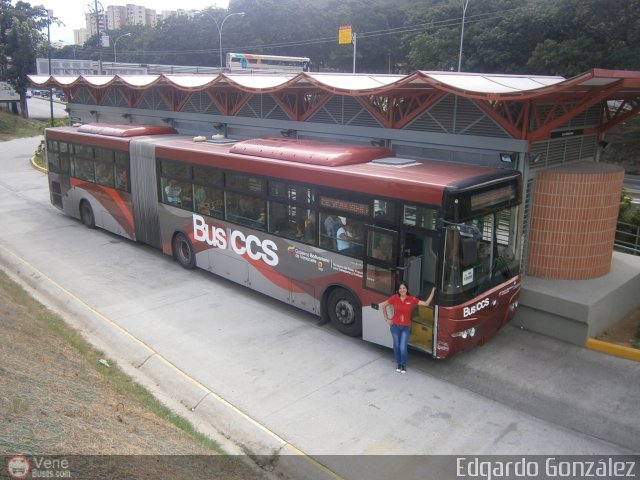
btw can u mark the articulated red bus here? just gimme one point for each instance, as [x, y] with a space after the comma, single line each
[328, 228]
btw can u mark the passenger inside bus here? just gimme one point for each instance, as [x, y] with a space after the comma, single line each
[383, 250]
[173, 191]
[121, 181]
[246, 210]
[208, 201]
[330, 224]
[261, 222]
[300, 230]
[310, 231]
[346, 240]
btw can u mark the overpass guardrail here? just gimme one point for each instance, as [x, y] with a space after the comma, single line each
[627, 238]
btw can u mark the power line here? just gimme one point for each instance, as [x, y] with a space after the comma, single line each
[369, 34]
[451, 22]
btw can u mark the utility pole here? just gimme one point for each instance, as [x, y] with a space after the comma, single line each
[97, 17]
[49, 16]
[354, 40]
[464, 11]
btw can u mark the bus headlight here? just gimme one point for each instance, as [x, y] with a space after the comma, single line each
[513, 306]
[469, 332]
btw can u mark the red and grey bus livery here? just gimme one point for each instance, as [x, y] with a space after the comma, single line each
[265, 213]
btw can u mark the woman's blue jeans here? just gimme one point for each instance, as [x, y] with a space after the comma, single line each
[400, 337]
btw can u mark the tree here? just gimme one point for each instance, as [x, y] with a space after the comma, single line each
[587, 34]
[21, 40]
[562, 37]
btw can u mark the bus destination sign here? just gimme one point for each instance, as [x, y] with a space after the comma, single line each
[493, 197]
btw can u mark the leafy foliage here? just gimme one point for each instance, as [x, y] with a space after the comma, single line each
[557, 37]
[21, 41]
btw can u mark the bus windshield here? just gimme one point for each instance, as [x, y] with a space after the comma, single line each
[479, 254]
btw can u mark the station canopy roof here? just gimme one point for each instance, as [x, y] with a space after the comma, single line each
[619, 83]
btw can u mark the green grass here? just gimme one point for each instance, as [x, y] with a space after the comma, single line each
[113, 375]
[14, 126]
[39, 158]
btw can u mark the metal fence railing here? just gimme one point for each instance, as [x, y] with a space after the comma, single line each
[627, 238]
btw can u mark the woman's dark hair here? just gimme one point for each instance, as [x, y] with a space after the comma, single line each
[406, 286]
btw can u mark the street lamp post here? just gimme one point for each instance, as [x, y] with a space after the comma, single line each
[464, 11]
[115, 56]
[49, 16]
[220, 30]
[97, 14]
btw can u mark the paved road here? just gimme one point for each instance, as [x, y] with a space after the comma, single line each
[296, 386]
[632, 181]
[40, 108]
[632, 185]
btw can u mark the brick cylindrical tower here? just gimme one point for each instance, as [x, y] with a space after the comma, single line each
[573, 221]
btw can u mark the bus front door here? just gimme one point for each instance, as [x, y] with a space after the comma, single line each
[419, 273]
[380, 274]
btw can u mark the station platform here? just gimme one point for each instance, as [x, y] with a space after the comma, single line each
[577, 310]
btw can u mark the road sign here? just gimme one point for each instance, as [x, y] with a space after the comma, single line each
[344, 35]
[7, 93]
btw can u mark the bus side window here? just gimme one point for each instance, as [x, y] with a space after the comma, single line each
[246, 210]
[122, 179]
[293, 222]
[176, 193]
[208, 201]
[104, 174]
[384, 211]
[383, 247]
[328, 223]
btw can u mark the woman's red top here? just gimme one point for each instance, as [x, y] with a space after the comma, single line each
[402, 309]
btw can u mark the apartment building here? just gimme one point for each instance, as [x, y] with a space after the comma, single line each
[116, 17]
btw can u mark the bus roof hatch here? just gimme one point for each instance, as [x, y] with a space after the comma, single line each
[310, 151]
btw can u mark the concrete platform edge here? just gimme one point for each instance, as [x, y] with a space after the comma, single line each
[612, 349]
[574, 311]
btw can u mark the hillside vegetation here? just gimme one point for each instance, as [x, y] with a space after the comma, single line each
[624, 145]
[14, 126]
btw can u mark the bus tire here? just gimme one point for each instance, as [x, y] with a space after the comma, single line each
[183, 251]
[86, 214]
[345, 312]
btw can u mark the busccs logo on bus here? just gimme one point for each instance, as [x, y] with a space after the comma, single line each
[475, 308]
[256, 249]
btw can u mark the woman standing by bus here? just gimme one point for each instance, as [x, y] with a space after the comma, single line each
[400, 323]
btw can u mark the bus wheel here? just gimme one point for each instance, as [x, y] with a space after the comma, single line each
[86, 214]
[345, 312]
[183, 251]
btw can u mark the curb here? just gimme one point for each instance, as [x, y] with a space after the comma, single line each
[236, 431]
[613, 349]
[38, 167]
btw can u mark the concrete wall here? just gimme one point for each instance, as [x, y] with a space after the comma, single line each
[574, 311]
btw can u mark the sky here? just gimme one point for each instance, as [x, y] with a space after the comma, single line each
[72, 12]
